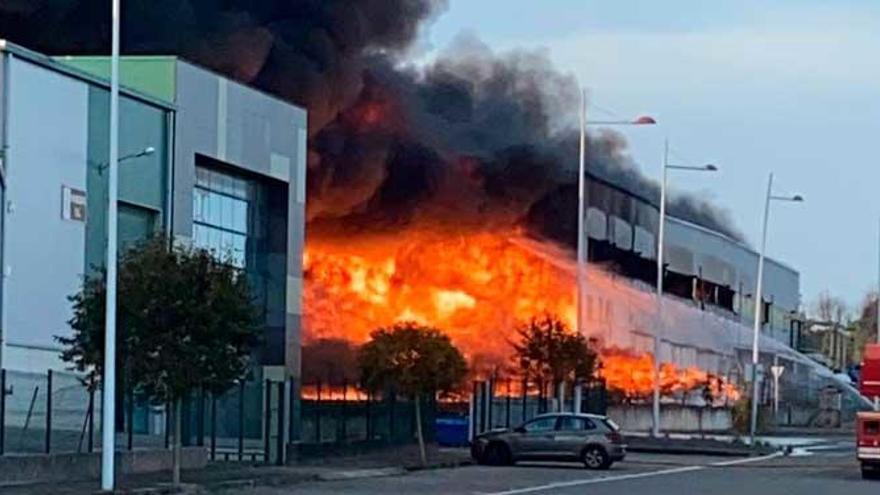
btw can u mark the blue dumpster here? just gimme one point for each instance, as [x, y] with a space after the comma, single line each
[451, 430]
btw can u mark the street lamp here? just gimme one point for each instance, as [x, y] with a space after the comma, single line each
[582, 200]
[149, 150]
[655, 410]
[759, 303]
[108, 409]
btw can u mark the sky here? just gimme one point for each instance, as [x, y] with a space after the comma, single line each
[789, 86]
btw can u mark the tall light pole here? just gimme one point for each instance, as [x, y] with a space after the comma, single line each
[108, 409]
[759, 303]
[661, 229]
[582, 200]
[878, 297]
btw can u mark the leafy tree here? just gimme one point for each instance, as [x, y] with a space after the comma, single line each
[552, 353]
[185, 321]
[414, 360]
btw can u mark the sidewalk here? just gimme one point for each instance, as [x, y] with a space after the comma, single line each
[236, 476]
[679, 445]
[730, 445]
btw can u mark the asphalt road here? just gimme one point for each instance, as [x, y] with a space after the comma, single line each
[827, 469]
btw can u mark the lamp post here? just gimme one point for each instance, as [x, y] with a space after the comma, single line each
[661, 229]
[149, 150]
[759, 303]
[108, 409]
[582, 199]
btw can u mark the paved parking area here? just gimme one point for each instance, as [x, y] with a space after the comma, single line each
[829, 469]
[485, 479]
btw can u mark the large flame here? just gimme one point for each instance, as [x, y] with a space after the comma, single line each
[475, 287]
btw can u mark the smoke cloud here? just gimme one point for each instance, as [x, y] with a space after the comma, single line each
[471, 136]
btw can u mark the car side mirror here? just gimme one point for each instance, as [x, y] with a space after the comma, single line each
[519, 429]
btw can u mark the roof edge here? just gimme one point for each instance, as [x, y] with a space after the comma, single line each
[54, 65]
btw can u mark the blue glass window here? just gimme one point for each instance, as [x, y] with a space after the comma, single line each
[220, 215]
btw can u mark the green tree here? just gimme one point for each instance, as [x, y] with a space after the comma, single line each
[413, 360]
[552, 353]
[185, 322]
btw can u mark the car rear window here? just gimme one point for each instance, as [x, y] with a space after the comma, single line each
[611, 424]
[571, 423]
[872, 428]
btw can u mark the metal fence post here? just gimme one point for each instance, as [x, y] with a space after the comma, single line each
[267, 418]
[279, 441]
[540, 399]
[391, 402]
[241, 420]
[318, 414]
[167, 424]
[49, 412]
[369, 418]
[129, 423]
[483, 412]
[343, 425]
[213, 426]
[200, 419]
[91, 441]
[475, 416]
[490, 395]
[2, 412]
[507, 408]
[525, 399]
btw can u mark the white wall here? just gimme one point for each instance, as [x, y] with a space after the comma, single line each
[45, 256]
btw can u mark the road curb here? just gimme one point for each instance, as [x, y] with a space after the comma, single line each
[355, 474]
[441, 465]
[715, 452]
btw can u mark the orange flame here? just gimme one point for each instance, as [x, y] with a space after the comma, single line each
[477, 288]
[633, 375]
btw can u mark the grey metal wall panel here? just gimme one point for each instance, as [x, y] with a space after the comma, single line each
[727, 262]
[195, 132]
[295, 239]
[293, 352]
[47, 150]
[256, 133]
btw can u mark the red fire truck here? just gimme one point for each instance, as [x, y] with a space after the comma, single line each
[869, 375]
[868, 424]
[868, 429]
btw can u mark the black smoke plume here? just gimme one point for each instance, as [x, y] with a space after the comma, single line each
[468, 137]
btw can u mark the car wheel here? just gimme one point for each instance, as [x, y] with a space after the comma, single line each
[595, 457]
[869, 474]
[497, 454]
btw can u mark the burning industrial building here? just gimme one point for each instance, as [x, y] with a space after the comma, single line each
[445, 192]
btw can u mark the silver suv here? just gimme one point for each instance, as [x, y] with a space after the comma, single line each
[592, 439]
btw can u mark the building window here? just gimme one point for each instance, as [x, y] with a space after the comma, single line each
[220, 215]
